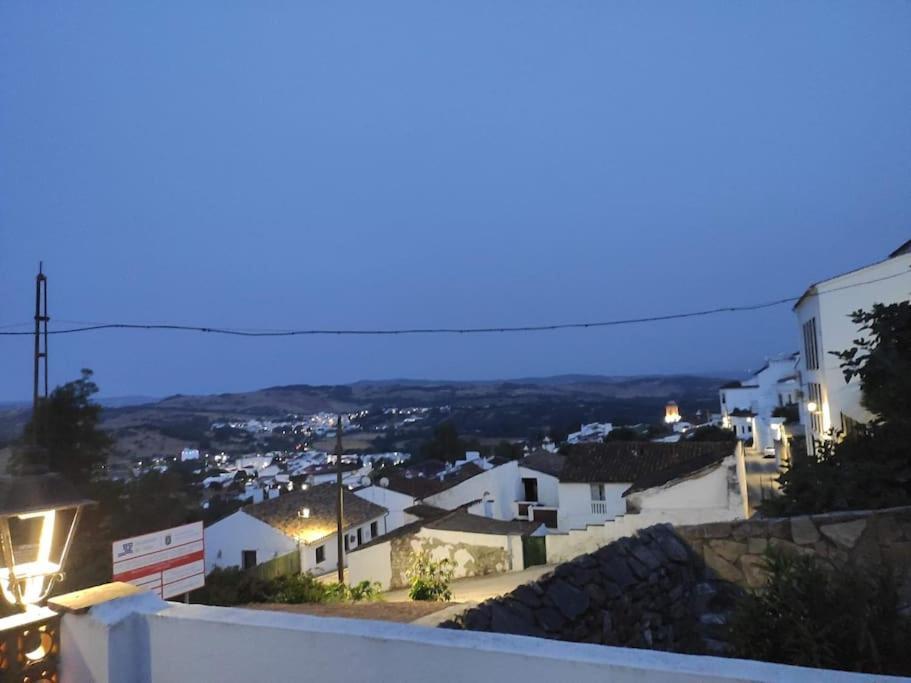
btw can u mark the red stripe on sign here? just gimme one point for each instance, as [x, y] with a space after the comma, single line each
[160, 566]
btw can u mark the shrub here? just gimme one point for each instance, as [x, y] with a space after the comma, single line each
[233, 586]
[365, 591]
[429, 579]
[810, 615]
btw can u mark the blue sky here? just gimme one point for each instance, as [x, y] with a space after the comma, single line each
[359, 164]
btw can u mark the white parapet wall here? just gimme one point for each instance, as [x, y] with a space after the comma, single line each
[143, 640]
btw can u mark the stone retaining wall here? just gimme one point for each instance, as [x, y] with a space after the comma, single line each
[865, 538]
[641, 591]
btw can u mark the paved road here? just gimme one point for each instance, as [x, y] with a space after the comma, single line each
[481, 588]
[761, 474]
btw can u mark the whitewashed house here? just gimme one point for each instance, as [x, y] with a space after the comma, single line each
[594, 431]
[687, 482]
[747, 407]
[824, 325]
[302, 521]
[538, 487]
[476, 546]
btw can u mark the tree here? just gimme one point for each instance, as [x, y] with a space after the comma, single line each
[445, 443]
[881, 360]
[63, 433]
[871, 466]
[623, 434]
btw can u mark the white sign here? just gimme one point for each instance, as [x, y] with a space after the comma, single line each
[168, 563]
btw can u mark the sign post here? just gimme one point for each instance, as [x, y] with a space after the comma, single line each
[168, 563]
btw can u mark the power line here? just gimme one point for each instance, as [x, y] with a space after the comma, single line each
[252, 332]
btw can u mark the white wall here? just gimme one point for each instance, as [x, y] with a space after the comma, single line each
[371, 564]
[231, 645]
[576, 504]
[330, 546]
[836, 332]
[499, 482]
[393, 501]
[226, 539]
[718, 495]
[548, 487]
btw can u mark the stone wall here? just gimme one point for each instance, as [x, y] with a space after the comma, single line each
[673, 589]
[642, 591]
[867, 538]
[468, 559]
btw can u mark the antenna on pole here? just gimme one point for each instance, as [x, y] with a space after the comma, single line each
[41, 320]
[340, 504]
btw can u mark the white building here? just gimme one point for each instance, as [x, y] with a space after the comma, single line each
[687, 480]
[824, 324]
[302, 521]
[189, 454]
[594, 431]
[747, 407]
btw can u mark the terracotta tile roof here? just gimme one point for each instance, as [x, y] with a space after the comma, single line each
[425, 511]
[283, 512]
[460, 520]
[422, 487]
[545, 462]
[642, 464]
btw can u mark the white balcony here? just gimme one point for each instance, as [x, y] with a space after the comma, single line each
[599, 508]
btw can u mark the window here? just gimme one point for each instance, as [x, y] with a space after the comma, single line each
[810, 345]
[248, 559]
[374, 529]
[530, 489]
[597, 491]
[347, 542]
[320, 554]
[815, 392]
[360, 535]
[722, 398]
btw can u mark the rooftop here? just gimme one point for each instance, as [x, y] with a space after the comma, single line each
[285, 512]
[644, 465]
[422, 487]
[545, 462]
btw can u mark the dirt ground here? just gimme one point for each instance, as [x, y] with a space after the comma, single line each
[381, 611]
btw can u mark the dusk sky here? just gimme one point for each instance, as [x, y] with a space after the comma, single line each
[297, 164]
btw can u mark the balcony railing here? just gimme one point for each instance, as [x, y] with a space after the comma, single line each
[599, 507]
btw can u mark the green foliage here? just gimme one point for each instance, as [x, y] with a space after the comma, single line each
[63, 434]
[809, 615]
[445, 444]
[882, 360]
[790, 412]
[713, 433]
[871, 466]
[233, 586]
[507, 450]
[429, 579]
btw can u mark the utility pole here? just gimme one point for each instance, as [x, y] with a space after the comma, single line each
[41, 320]
[340, 505]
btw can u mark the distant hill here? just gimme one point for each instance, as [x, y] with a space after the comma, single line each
[487, 409]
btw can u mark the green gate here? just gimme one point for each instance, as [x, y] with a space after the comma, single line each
[534, 550]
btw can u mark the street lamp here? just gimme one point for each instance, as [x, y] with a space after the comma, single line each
[812, 407]
[36, 512]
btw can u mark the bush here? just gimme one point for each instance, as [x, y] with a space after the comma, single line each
[429, 579]
[810, 615]
[233, 586]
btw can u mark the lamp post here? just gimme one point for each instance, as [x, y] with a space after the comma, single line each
[38, 516]
[33, 510]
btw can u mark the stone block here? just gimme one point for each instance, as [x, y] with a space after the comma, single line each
[790, 548]
[673, 548]
[844, 534]
[757, 546]
[898, 555]
[549, 619]
[724, 569]
[754, 572]
[729, 550]
[527, 596]
[779, 528]
[571, 601]
[504, 620]
[717, 530]
[803, 531]
[887, 529]
[646, 556]
[743, 530]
